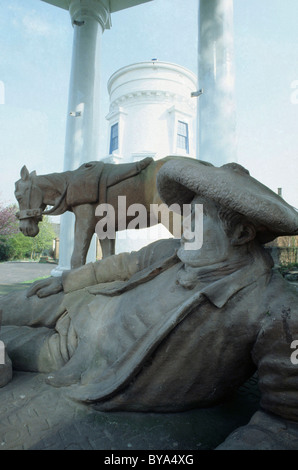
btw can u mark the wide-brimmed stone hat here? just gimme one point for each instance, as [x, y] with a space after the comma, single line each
[232, 187]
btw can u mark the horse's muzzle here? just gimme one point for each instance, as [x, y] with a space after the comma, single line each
[29, 228]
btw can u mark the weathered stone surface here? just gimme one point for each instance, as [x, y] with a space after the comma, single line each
[81, 190]
[264, 432]
[292, 277]
[5, 371]
[171, 328]
[36, 416]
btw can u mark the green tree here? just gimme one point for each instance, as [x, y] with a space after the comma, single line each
[8, 228]
[44, 240]
[6, 251]
[18, 246]
[15, 245]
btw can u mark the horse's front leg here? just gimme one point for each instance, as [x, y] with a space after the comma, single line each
[84, 230]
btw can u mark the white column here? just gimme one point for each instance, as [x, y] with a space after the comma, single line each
[89, 19]
[217, 111]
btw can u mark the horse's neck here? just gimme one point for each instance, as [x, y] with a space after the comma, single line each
[52, 186]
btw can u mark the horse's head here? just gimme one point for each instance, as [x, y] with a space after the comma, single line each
[30, 199]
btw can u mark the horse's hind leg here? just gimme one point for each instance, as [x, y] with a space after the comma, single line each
[107, 247]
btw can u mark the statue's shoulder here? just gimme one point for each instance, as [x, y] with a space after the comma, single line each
[282, 291]
[280, 307]
[166, 247]
[158, 251]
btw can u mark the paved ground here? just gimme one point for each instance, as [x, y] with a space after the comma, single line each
[19, 273]
[13, 272]
[34, 415]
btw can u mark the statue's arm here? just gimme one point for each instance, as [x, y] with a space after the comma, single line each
[275, 425]
[117, 267]
[113, 268]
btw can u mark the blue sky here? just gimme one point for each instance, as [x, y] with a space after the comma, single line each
[35, 60]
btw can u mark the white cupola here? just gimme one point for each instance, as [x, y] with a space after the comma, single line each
[151, 112]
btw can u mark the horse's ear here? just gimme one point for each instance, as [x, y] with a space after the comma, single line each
[33, 173]
[24, 173]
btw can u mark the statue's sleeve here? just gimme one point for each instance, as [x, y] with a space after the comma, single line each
[275, 354]
[117, 267]
[275, 425]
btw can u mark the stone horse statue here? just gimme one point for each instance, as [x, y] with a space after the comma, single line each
[81, 191]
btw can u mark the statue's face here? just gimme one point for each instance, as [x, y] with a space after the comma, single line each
[28, 197]
[216, 245]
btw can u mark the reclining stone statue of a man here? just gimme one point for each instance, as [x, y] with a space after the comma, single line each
[170, 329]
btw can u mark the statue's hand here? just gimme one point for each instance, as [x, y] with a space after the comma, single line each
[46, 287]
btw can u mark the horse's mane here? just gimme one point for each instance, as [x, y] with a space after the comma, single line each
[80, 186]
[56, 181]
